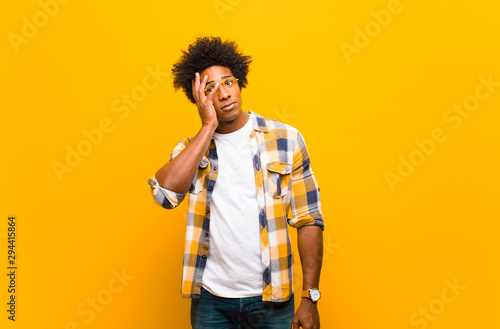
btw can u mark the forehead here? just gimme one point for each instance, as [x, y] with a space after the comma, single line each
[216, 72]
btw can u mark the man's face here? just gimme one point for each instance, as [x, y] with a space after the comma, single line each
[227, 102]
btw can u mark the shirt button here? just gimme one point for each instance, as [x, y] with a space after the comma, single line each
[215, 168]
[208, 210]
[210, 188]
[206, 233]
[265, 257]
[204, 257]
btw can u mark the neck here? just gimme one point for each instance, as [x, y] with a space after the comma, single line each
[226, 127]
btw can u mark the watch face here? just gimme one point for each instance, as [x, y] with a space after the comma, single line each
[314, 294]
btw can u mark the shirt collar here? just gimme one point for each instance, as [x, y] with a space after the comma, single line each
[259, 123]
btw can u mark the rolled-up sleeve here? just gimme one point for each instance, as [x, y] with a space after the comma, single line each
[305, 198]
[163, 197]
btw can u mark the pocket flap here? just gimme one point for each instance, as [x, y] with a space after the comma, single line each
[279, 167]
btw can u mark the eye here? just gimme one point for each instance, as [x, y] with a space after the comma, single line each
[209, 88]
[229, 82]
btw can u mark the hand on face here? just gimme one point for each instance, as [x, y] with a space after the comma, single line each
[220, 102]
[205, 103]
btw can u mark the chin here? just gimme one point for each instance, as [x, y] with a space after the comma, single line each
[230, 115]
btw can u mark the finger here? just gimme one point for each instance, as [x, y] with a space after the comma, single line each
[196, 86]
[295, 323]
[211, 95]
[201, 90]
[196, 81]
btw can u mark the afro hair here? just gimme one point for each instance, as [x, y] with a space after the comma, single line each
[204, 53]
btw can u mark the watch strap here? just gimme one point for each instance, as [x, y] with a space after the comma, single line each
[313, 294]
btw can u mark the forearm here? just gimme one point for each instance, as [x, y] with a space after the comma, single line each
[310, 245]
[178, 174]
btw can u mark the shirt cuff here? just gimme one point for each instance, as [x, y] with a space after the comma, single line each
[316, 221]
[163, 197]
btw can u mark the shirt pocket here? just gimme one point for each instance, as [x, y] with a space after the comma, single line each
[278, 178]
[200, 177]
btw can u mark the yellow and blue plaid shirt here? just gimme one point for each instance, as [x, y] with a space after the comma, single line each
[286, 192]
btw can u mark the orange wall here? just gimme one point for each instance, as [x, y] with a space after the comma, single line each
[392, 97]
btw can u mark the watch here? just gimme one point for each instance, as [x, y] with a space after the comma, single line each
[313, 294]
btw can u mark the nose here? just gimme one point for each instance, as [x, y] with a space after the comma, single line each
[223, 93]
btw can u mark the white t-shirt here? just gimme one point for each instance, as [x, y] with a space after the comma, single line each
[234, 265]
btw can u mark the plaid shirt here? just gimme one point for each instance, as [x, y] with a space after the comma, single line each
[285, 185]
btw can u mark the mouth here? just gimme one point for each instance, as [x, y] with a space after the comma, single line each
[228, 107]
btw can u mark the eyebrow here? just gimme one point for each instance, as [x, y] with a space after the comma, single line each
[224, 77]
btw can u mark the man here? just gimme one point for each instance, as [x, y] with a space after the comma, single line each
[245, 174]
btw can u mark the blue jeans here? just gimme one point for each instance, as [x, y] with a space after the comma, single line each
[213, 312]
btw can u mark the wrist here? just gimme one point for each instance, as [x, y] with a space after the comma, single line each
[312, 294]
[209, 126]
[308, 301]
